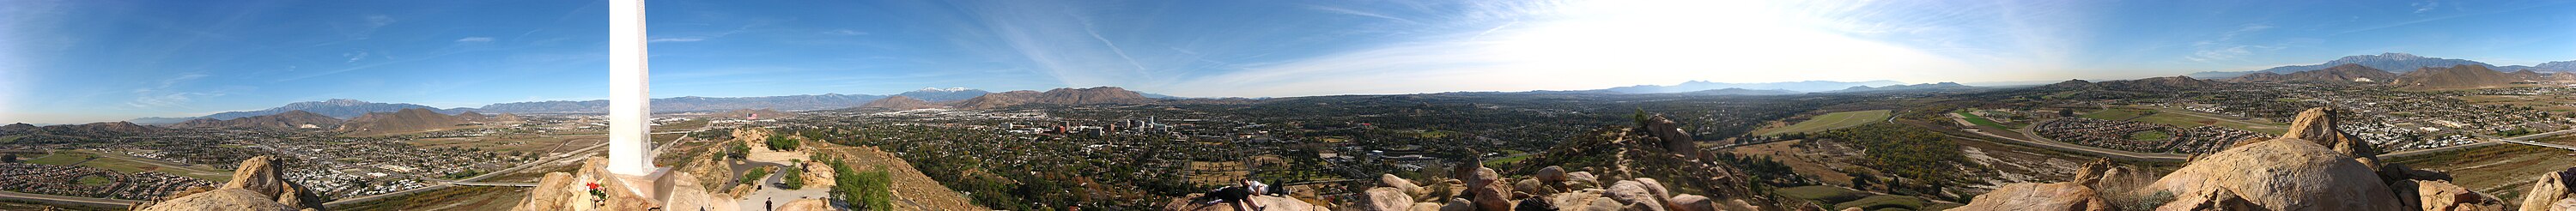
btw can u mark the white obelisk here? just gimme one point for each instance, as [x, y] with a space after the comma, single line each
[629, 92]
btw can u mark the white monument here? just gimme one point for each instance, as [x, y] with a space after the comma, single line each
[629, 98]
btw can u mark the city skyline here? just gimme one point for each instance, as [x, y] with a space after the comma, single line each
[77, 62]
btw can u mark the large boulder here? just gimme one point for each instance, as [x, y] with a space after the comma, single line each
[1551, 174]
[1386, 199]
[2319, 125]
[1400, 184]
[2038, 196]
[258, 175]
[2221, 199]
[1582, 179]
[1633, 194]
[1687, 202]
[552, 193]
[1670, 136]
[2551, 188]
[2439, 195]
[2285, 174]
[1489, 192]
[221, 199]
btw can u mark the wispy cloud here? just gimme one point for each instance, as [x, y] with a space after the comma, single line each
[354, 56]
[160, 95]
[676, 40]
[474, 39]
[1360, 13]
[2426, 6]
[2226, 48]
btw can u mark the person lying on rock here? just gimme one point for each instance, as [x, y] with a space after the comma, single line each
[1240, 195]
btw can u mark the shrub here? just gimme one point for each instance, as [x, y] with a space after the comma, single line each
[866, 190]
[782, 143]
[795, 178]
[754, 176]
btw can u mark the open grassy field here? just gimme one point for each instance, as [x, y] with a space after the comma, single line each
[1981, 121]
[2149, 135]
[1829, 121]
[2504, 170]
[126, 164]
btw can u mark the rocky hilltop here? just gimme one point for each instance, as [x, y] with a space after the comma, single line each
[2338, 73]
[256, 185]
[2463, 76]
[288, 119]
[2313, 167]
[405, 121]
[1058, 96]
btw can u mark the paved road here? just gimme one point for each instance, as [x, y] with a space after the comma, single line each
[53, 199]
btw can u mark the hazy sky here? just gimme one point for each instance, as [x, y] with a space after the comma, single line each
[106, 60]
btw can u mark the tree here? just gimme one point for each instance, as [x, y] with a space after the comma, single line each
[2065, 112]
[866, 190]
[738, 150]
[795, 178]
[8, 158]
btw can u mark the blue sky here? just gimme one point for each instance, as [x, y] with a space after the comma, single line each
[86, 61]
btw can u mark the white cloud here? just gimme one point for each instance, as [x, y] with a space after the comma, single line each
[845, 32]
[354, 56]
[475, 39]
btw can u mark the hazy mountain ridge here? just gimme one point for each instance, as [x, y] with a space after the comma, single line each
[1943, 86]
[334, 108]
[690, 103]
[899, 102]
[2338, 73]
[1799, 86]
[2393, 62]
[943, 95]
[289, 119]
[1058, 96]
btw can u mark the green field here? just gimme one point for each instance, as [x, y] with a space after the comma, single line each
[1882, 202]
[62, 158]
[93, 180]
[1982, 121]
[69, 157]
[1830, 121]
[2149, 135]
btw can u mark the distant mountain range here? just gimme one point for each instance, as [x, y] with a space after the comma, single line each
[2393, 62]
[898, 102]
[1798, 86]
[2339, 73]
[289, 119]
[1943, 86]
[1058, 96]
[334, 108]
[943, 95]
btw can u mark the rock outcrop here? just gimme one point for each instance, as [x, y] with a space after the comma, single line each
[2031, 196]
[1269, 203]
[256, 185]
[1670, 136]
[2313, 167]
[2550, 191]
[1558, 192]
[574, 191]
